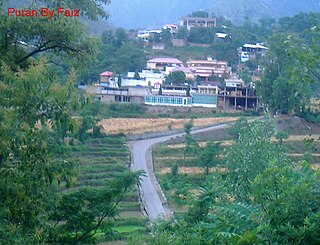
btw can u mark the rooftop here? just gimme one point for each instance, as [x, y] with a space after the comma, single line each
[207, 62]
[184, 69]
[107, 74]
[254, 46]
[165, 60]
[198, 18]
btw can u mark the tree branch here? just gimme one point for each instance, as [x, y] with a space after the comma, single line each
[43, 49]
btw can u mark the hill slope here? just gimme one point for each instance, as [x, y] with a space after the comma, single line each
[154, 13]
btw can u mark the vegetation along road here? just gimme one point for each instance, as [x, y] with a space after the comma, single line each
[150, 192]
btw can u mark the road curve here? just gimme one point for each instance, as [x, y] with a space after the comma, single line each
[150, 191]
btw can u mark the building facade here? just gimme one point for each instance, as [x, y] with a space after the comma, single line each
[189, 22]
[207, 68]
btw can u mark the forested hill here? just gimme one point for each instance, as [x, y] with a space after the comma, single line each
[154, 13]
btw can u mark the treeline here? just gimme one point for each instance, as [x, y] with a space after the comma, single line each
[39, 117]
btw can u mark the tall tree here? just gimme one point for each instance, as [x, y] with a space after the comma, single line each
[36, 115]
[37, 110]
[286, 84]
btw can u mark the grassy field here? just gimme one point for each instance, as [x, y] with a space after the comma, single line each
[100, 160]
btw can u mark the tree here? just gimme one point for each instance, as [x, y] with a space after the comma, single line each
[37, 114]
[200, 14]
[176, 78]
[19, 40]
[191, 143]
[136, 75]
[202, 35]
[35, 117]
[87, 210]
[209, 156]
[281, 135]
[251, 155]
[286, 83]
[129, 57]
[166, 36]
[290, 202]
[182, 33]
[120, 38]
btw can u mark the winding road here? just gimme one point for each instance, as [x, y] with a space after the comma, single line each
[150, 191]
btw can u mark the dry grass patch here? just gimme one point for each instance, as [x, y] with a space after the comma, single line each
[147, 125]
[299, 137]
[202, 144]
[192, 170]
[175, 158]
[316, 166]
[300, 155]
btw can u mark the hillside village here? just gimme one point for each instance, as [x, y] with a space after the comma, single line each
[204, 131]
[208, 83]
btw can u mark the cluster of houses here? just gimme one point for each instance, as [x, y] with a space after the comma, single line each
[211, 83]
[148, 86]
[246, 52]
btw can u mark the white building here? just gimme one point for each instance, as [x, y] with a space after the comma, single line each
[147, 78]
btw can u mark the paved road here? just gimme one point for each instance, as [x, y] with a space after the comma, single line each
[150, 191]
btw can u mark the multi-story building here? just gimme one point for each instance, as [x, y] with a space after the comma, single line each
[207, 68]
[190, 22]
[238, 98]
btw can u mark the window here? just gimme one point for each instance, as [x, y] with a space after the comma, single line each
[117, 98]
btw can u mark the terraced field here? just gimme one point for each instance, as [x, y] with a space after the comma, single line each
[177, 189]
[100, 160]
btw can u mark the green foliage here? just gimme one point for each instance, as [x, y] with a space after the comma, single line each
[86, 210]
[136, 75]
[33, 126]
[250, 156]
[287, 80]
[191, 143]
[182, 33]
[290, 199]
[100, 110]
[281, 135]
[200, 14]
[238, 127]
[174, 170]
[261, 199]
[38, 107]
[166, 37]
[209, 156]
[123, 55]
[59, 35]
[202, 35]
[176, 78]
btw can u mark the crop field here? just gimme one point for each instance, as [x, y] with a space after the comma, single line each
[100, 160]
[190, 176]
[148, 125]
